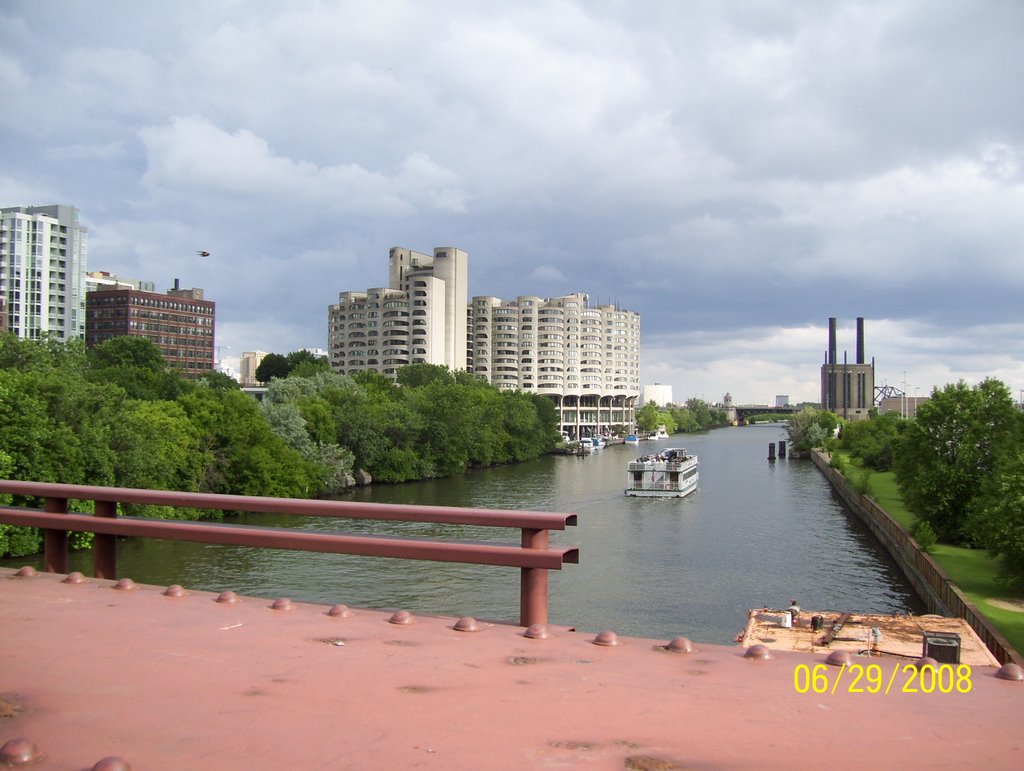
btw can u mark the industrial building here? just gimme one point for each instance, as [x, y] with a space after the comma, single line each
[847, 389]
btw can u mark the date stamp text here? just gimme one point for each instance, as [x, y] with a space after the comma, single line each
[874, 679]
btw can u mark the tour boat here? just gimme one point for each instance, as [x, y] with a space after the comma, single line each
[671, 473]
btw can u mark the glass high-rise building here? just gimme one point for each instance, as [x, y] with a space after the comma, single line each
[43, 262]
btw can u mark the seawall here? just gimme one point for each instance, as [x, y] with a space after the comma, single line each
[940, 594]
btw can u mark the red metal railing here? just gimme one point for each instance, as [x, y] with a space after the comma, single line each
[534, 556]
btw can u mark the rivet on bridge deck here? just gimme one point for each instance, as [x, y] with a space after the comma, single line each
[170, 680]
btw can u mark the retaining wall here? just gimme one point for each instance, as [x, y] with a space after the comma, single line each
[939, 593]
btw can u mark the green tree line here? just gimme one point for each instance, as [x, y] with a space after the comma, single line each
[695, 415]
[117, 415]
[959, 465]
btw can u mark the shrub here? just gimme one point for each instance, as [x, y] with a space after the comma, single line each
[862, 481]
[925, 536]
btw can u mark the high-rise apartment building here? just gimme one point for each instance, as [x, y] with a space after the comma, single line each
[43, 260]
[181, 322]
[585, 358]
[420, 318]
[247, 365]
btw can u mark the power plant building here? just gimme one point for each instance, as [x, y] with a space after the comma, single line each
[847, 389]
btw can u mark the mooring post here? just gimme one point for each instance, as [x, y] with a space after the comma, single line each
[771, 451]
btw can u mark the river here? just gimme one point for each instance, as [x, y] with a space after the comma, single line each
[754, 534]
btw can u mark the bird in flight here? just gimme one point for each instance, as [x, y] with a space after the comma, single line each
[201, 253]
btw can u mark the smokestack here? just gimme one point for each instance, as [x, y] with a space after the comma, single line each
[175, 285]
[832, 340]
[860, 339]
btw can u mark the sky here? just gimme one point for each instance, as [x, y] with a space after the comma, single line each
[736, 172]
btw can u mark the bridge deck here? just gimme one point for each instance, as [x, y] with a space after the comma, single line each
[88, 671]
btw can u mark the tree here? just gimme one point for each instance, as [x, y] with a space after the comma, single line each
[242, 455]
[446, 427]
[136, 365]
[957, 440]
[702, 413]
[649, 417]
[219, 380]
[46, 355]
[996, 517]
[273, 365]
[299, 411]
[810, 428]
[303, 363]
[416, 375]
[873, 440]
[156, 447]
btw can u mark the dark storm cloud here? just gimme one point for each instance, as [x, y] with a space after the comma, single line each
[736, 172]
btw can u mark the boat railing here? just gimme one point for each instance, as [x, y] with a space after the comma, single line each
[534, 555]
[655, 465]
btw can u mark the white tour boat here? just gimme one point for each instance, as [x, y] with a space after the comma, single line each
[671, 473]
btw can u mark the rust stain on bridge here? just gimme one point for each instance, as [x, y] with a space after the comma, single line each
[97, 670]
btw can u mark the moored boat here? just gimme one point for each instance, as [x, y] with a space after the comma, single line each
[671, 473]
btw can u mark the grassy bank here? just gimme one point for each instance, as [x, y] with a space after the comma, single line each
[975, 571]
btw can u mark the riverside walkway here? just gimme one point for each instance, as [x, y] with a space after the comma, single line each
[106, 674]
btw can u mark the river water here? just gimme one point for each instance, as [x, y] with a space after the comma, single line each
[754, 534]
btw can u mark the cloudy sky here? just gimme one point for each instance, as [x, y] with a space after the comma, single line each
[737, 172]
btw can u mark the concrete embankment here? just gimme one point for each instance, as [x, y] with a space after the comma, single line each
[940, 594]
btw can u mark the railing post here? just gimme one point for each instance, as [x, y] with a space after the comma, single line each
[55, 542]
[533, 583]
[104, 547]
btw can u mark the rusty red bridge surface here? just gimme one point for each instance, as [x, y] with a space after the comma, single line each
[97, 673]
[104, 673]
